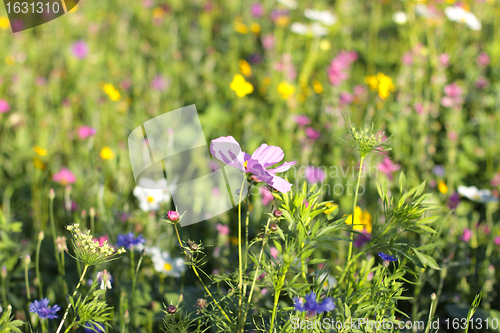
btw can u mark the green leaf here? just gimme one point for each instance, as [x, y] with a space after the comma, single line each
[402, 181]
[427, 260]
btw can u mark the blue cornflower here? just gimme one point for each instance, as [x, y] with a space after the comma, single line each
[311, 306]
[43, 310]
[129, 240]
[93, 328]
[387, 257]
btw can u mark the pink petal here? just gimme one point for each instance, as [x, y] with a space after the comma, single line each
[268, 155]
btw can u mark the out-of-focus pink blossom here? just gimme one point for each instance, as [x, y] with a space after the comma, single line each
[312, 133]
[222, 229]
[160, 83]
[286, 66]
[274, 252]
[483, 59]
[407, 58]
[257, 9]
[388, 167]
[80, 49]
[419, 108]
[315, 175]
[85, 132]
[267, 197]
[444, 59]
[4, 106]
[346, 98]
[497, 240]
[482, 83]
[339, 67]
[64, 177]
[268, 41]
[302, 120]
[466, 235]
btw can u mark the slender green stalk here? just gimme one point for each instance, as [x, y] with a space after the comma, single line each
[26, 280]
[133, 276]
[4, 289]
[201, 281]
[74, 294]
[277, 295]
[240, 264]
[38, 276]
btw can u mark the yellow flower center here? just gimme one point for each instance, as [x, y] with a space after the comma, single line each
[245, 165]
[167, 267]
[151, 199]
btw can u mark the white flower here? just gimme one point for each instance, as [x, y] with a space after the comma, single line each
[314, 29]
[422, 10]
[472, 193]
[458, 14]
[105, 279]
[399, 17]
[151, 194]
[328, 280]
[164, 263]
[322, 16]
[292, 4]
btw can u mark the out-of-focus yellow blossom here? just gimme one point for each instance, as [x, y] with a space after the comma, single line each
[107, 153]
[255, 27]
[4, 23]
[10, 60]
[40, 151]
[362, 220]
[330, 207]
[233, 240]
[325, 45]
[382, 83]
[239, 26]
[372, 82]
[285, 89]
[158, 12]
[38, 163]
[450, 1]
[442, 187]
[317, 87]
[112, 93]
[282, 21]
[266, 80]
[245, 68]
[240, 86]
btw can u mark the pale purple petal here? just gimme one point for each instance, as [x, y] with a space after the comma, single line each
[282, 168]
[268, 155]
[255, 168]
[227, 150]
[281, 184]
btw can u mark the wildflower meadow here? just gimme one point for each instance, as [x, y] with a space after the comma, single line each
[355, 145]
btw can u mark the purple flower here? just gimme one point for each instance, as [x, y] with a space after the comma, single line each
[80, 49]
[227, 150]
[315, 175]
[43, 310]
[483, 59]
[362, 239]
[388, 167]
[453, 200]
[466, 235]
[438, 170]
[129, 240]
[257, 9]
[160, 83]
[313, 307]
[93, 327]
[387, 257]
[4, 106]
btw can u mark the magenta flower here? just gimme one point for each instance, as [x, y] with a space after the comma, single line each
[346, 98]
[257, 9]
[312, 133]
[453, 90]
[222, 229]
[337, 71]
[483, 59]
[173, 216]
[453, 96]
[467, 235]
[302, 120]
[267, 197]
[444, 59]
[388, 167]
[315, 175]
[64, 177]
[497, 240]
[85, 132]
[160, 83]
[80, 49]
[227, 150]
[4, 106]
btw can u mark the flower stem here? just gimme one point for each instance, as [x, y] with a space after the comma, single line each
[201, 281]
[277, 295]
[240, 283]
[38, 276]
[74, 294]
[27, 282]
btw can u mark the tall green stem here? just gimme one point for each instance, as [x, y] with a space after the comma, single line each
[38, 276]
[240, 283]
[277, 295]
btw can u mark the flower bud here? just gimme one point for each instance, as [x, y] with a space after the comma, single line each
[386, 263]
[193, 246]
[27, 259]
[277, 213]
[273, 227]
[433, 296]
[41, 236]
[172, 309]
[52, 194]
[173, 216]
[4, 272]
[92, 212]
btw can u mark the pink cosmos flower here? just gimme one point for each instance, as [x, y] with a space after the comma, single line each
[227, 150]
[267, 197]
[483, 59]
[85, 132]
[4, 106]
[222, 229]
[467, 235]
[315, 175]
[312, 133]
[80, 49]
[388, 167]
[302, 120]
[64, 177]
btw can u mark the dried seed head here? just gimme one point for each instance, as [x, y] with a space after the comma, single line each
[277, 213]
[273, 227]
[172, 309]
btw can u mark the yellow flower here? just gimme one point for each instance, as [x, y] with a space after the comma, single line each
[240, 86]
[39, 164]
[325, 45]
[4, 23]
[112, 93]
[442, 187]
[239, 26]
[10, 60]
[255, 27]
[158, 12]
[282, 21]
[267, 81]
[317, 87]
[330, 207]
[233, 240]
[385, 85]
[107, 153]
[40, 151]
[372, 82]
[285, 89]
[245, 68]
[362, 220]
